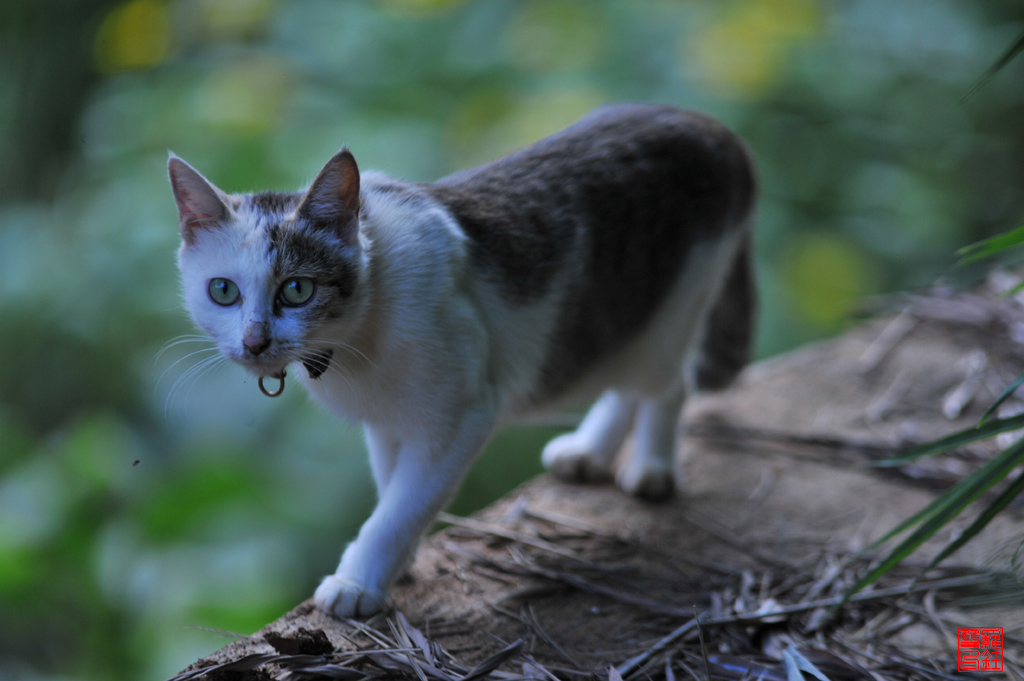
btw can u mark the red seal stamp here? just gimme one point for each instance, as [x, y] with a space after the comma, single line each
[979, 649]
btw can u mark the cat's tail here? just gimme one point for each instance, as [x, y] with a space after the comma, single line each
[729, 329]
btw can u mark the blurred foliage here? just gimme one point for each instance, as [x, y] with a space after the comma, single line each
[145, 494]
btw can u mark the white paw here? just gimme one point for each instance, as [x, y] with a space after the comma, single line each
[569, 459]
[343, 597]
[650, 482]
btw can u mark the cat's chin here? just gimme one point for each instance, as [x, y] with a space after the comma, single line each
[264, 369]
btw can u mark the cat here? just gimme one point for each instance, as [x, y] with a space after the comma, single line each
[582, 266]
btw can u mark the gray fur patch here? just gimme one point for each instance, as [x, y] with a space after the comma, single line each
[729, 335]
[299, 249]
[274, 203]
[317, 363]
[623, 195]
[308, 253]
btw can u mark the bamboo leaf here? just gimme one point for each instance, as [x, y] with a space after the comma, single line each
[1004, 396]
[1004, 462]
[1001, 502]
[985, 248]
[957, 439]
[1004, 59]
[936, 515]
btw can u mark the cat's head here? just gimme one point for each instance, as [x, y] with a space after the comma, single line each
[273, 278]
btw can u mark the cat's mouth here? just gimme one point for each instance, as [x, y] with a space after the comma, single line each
[315, 362]
[265, 367]
[264, 364]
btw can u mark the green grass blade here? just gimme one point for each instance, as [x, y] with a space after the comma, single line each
[1001, 502]
[957, 439]
[1005, 58]
[936, 515]
[999, 466]
[989, 247]
[1010, 389]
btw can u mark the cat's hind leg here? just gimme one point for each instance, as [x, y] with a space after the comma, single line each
[588, 453]
[649, 471]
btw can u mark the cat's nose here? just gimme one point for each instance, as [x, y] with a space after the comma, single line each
[256, 345]
[256, 341]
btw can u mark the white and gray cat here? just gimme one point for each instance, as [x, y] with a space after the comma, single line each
[582, 266]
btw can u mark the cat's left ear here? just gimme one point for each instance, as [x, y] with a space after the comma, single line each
[200, 204]
[332, 201]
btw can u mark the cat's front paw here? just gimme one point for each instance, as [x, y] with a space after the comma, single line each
[648, 482]
[343, 598]
[570, 459]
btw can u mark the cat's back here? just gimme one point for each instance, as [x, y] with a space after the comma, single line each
[602, 215]
[611, 145]
[613, 176]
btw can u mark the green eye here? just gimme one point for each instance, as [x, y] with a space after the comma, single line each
[297, 290]
[223, 291]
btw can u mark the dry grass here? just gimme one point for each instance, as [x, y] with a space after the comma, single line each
[749, 624]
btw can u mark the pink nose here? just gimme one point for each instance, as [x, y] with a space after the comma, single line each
[256, 343]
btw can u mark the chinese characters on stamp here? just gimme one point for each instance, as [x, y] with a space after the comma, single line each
[979, 649]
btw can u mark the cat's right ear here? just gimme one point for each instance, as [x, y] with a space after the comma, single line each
[332, 201]
[200, 204]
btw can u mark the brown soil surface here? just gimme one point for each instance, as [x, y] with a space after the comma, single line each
[777, 495]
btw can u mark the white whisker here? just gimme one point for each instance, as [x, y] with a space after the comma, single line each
[180, 381]
[178, 340]
[343, 346]
[342, 373]
[207, 367]
[182, 359]
[188, 378]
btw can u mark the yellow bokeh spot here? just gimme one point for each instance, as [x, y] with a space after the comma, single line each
[134, 36]
[825, 276]
[555, 34]
[492, 123]
[406, 7]
[236, 17]
[248, 97]
[472, 128]
[743, 53]
[548, 112]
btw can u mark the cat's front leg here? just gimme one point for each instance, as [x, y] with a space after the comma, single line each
[383, 448]
[423, 479]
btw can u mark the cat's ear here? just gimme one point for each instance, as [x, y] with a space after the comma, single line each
[200, 204]
[332, 201]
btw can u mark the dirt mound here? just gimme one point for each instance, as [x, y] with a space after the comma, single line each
[568, 581]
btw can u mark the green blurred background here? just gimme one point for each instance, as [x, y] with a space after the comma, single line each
[146, 502]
